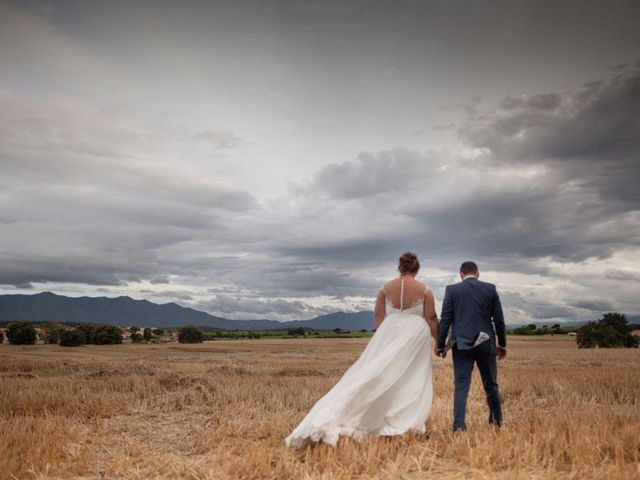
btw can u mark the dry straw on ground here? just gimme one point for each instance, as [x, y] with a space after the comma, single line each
[222, 409]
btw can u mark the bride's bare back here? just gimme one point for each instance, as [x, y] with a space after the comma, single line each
[407, 297]
[403, 293]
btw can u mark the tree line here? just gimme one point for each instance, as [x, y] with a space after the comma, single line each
[611, 331]
[24, 333]
[532, 329]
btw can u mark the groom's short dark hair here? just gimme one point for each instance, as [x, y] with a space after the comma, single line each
[468, 267]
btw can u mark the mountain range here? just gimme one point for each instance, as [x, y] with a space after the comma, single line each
[125, 311]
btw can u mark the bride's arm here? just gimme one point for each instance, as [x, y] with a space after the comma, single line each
[430, 314]
[378, 313]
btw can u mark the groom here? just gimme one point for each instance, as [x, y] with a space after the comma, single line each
[469, 308]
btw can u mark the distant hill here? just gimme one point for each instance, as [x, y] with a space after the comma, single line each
[346, 321]
[125, 311]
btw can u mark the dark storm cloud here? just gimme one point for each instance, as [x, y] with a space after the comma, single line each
[533, 222]
[522, 217]
[286, 274]
[622, 275]
[591, 135]
[27, 267]
[590, 140]
[537, 188]
[594, 305]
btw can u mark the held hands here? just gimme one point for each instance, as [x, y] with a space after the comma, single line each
[439, 352]
[502, 352]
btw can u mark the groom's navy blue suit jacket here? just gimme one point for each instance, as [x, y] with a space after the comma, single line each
[468, 308]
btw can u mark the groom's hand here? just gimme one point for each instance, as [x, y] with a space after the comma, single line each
[438, 351]
[502, 352]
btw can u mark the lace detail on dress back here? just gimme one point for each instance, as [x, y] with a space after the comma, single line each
[417, 308]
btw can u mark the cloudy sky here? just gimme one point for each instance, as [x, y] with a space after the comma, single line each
[272, 159]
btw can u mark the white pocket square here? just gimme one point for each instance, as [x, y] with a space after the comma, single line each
[482, 337]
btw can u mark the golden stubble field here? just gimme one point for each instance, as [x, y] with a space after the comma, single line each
[222, 409]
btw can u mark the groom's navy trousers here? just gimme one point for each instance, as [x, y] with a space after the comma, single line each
[469, 308]
[484, 356]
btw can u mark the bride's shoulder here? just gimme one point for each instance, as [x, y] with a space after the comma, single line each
[388, 284]
[424, 286]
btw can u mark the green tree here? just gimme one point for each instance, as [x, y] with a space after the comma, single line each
[108, 335]
[609, 337]
[135, 336]
[72, 338]
[530, 329]
[21, 333]
[1, 336]
[611, 331]
[296, 331]
[587, 335]
[52, 334]
[147, 334]
[158, 331]
[89, 330]
[190, 334]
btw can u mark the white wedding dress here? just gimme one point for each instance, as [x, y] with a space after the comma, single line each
[387, 391]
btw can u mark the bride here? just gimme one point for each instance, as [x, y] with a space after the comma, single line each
[388, 390]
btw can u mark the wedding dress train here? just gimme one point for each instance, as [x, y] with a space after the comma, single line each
[387, 391]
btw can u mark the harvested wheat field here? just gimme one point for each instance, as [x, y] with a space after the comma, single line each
[222, 410]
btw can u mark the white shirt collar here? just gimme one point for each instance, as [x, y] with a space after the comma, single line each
[468, 276]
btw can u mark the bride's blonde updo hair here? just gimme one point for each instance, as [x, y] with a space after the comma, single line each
[408, 263]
